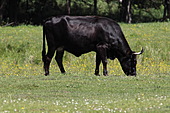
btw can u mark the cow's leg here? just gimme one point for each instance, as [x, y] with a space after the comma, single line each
[102, 50]
[46, 65]
[104, 61]
[47, 61]
[51, 51]
[98, 61]
[59, 58]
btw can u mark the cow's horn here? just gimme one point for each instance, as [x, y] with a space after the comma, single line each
[138, 53]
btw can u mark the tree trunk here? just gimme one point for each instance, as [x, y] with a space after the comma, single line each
[129, 14]
[13, 10]
[95, 7]
[2, 6]
[68, 7]
[166, 9]
[126, 14]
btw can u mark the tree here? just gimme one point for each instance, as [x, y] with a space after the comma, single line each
[95, 7]
[166, 9]
[126, 13]
[2, 8]
[11, 7]
[68, 6]
[13, 10]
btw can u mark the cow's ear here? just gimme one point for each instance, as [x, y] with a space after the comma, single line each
[129, 52]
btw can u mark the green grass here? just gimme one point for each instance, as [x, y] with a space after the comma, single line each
[24, 88]
[64, 93]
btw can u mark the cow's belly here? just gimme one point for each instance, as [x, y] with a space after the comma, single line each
[79, 45]
[79, 50]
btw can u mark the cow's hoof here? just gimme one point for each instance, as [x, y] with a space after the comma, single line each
[46, 74]
[106, 75]
[97, 74]
[63, 72]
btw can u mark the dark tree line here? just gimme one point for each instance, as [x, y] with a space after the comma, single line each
[34, 11]
[126, 9]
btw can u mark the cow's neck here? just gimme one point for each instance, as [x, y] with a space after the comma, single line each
[123, 47]
[123, 51]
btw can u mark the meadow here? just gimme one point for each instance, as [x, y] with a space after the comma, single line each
[24, 88]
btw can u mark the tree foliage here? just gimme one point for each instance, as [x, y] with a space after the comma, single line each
[35, 11]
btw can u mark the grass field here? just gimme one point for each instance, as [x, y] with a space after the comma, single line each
[24, 88]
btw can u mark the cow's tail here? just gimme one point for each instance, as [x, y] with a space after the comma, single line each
[44, 48]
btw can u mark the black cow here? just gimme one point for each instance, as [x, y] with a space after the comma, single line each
[83, 34]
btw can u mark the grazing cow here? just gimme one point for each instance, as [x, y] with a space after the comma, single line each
[83, 34]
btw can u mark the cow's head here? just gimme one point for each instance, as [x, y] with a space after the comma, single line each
[129, 62]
